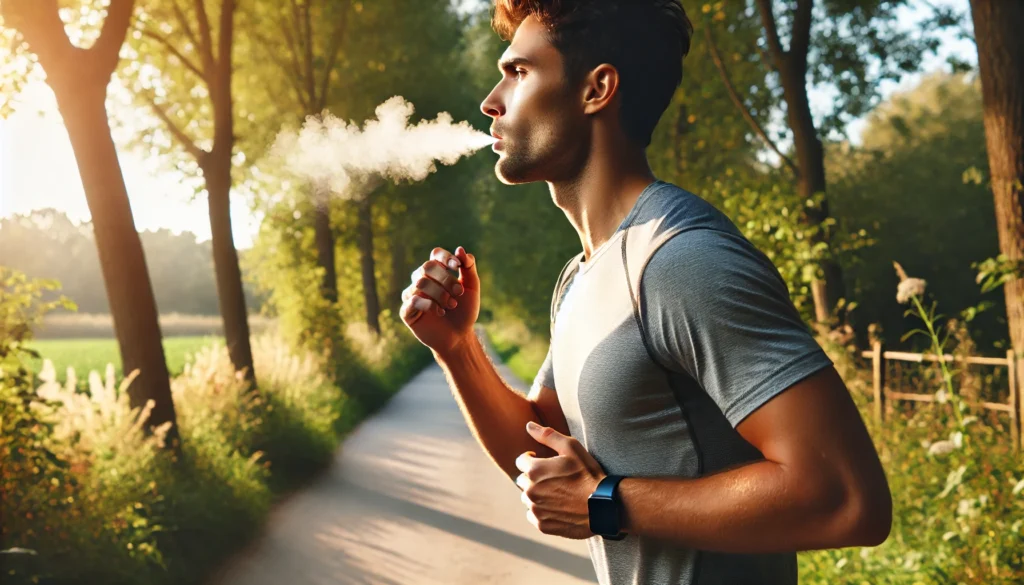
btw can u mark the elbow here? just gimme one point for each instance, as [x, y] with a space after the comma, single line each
[863, 516]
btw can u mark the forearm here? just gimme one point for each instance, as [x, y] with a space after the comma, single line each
[760, 507]
[496, 414]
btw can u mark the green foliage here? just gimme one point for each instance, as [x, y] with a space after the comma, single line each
[995, 272]
[99, 501]
[770, 217]
[904, 187]
[702, 134]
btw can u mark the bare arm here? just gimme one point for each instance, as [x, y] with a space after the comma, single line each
[495, 413]
[821, 484]
[441, 311]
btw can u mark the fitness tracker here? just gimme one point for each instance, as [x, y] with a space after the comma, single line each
[606, 509]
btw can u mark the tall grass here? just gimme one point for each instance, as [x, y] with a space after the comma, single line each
[87, 496]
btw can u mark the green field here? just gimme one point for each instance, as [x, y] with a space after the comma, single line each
[94, 354]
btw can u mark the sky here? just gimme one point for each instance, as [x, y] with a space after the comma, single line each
[38, 170]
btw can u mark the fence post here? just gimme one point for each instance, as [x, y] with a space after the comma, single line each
[878, 379]
[1015, 400]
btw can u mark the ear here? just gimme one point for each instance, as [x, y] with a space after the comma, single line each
[599, 88]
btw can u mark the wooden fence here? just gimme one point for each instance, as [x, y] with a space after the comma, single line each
[1014, 406]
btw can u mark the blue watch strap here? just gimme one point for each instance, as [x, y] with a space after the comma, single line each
[608, 487]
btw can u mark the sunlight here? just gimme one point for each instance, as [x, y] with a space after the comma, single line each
[38, 170]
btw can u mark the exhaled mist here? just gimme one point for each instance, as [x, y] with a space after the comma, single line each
[336, 155]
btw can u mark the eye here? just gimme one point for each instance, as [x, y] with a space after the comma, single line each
[520, 72]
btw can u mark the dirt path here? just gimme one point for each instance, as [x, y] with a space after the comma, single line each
[411, 499]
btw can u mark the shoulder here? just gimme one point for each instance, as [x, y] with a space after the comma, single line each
[675, 209]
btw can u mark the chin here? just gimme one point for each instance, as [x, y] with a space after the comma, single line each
[512, 171]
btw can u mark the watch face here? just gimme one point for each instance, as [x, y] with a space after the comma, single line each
[604, 516]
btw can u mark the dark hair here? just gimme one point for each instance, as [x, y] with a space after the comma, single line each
[645, 40]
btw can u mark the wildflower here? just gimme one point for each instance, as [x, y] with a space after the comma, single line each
[908, 287]
[939, 448]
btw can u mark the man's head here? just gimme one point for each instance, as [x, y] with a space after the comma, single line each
[574, 65]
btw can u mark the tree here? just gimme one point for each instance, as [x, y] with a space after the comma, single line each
[79, 79]
[997, 26]
[302, 41]
[849, 45]
[171, 38]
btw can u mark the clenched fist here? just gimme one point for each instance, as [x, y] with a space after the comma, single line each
[439, 307]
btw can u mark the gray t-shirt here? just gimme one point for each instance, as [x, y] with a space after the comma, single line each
[720, 337]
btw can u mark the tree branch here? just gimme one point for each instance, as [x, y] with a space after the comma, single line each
[771, 32]
[206, 43]
[766, 60]
[40, 25]
[183, 140]
[107, 48]
[185, 26]
[299, 46]
[226, 38]
[308, 33]
[800, 39]
[293, 52]
[288, 72]
[174, 51]
[332, 54]
[738, 102]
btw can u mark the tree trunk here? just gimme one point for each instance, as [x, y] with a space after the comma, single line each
[811, 180]
[129, 290]
[399, 273]
[230, 295]
[366, 256]
[325, 250]
[997, 26]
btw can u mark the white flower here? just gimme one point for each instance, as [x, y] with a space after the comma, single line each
[908, 288]
[958, 439]
[1019, 487]
[841, 563]
[947, 536]
[941, 396]
[939, 448]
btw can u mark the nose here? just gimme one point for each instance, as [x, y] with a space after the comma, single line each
[492, 106]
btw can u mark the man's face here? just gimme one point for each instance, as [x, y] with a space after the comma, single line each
[537, 114]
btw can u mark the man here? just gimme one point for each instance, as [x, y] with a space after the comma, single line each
[684, 421]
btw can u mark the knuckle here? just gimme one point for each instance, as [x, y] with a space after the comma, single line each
[531, 493]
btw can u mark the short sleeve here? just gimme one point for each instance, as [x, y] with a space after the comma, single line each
[715, 307]
[546, 374]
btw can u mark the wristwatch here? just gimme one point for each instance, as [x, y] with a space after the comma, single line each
[606, 509]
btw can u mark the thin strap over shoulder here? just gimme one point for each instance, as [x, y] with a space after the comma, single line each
[563, 278]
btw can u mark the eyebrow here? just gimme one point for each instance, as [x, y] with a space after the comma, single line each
[504, 64]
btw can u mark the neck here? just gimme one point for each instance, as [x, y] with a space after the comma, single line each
[598, 198]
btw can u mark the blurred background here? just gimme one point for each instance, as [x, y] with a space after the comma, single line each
[143, 224]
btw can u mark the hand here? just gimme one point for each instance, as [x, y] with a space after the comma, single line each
[439, 308]
[556, 489]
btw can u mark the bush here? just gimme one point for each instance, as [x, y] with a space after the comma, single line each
[88, 496]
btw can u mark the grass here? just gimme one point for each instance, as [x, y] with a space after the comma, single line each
[522, 352]
[95, 353]
[86, 325]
